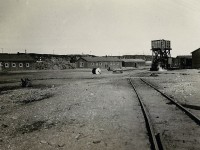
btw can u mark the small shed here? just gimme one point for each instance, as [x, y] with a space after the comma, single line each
[133, 63]
[196, 59]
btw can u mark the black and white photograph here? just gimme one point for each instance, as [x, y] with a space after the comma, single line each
[99, 75]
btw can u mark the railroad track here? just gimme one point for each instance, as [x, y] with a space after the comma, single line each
[191, 115]
[155, 143]
[154, 125]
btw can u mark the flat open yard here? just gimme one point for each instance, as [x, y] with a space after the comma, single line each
[74, 109]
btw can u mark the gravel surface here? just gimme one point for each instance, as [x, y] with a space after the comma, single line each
[178, 131]
[74, 109]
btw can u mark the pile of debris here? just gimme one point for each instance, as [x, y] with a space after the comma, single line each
[55, 64]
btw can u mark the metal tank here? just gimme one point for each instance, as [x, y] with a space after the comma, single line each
[160, 54]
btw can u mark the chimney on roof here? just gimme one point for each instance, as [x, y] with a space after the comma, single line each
[25, 51]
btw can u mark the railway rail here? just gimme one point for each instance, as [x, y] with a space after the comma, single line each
[191, 115]
[155, 140]
[155, 137]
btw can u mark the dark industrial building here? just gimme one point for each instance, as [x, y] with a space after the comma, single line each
[184, 61]
[133, 63]
[99, 62]
[196, 59]
[16, 62]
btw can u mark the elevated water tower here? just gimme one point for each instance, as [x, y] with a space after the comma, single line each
[160, 54]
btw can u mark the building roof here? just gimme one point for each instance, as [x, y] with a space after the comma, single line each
[133, 60]
[101, 59]
[15, 57]
[196, 50]
[184, 56]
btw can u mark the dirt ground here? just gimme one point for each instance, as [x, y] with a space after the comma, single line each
[74, 109]
[176, 129]
[181, 85]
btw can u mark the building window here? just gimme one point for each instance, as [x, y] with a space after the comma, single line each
[100, 64]
[27, 65]
[6, 65]
[92, 64]
[81, 64]
[97, 64]
[20, 64]
[13, 64]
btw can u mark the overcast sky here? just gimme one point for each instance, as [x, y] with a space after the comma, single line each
[98, 27]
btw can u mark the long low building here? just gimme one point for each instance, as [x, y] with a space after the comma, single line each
[16, 62]
[133, 63]
[99, 62]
